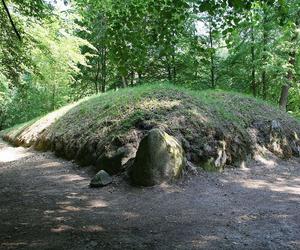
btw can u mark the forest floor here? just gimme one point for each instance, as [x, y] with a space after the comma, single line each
[46, 203]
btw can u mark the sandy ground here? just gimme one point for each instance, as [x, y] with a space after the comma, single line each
[45, 203]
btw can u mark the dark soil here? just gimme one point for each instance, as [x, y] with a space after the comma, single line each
[46, 204]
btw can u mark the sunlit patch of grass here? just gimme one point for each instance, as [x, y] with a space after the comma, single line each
[197, 115]
[156, 104]
[17, 129]
[31, 130]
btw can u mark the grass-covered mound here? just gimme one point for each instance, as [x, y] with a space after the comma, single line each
[215, 128]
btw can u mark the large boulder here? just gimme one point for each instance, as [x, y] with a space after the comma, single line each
[159, 158]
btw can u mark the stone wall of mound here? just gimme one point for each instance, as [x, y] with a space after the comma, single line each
[218, 148]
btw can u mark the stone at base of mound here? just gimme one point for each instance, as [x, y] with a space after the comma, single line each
[101, 179]
[159, 158]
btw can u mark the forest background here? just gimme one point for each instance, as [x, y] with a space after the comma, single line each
[56, 52]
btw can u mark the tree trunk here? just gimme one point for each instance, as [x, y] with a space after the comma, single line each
[283, 101]
[174, 67]
[169, 71]
[53, 97]
[140, 77]
[253, 70]
[132, 78]
[124, 81]
[103, 82]
[97, 76]
[212, 63]
[284, 96]
[103, 85]
[264, 84]
[264, 57]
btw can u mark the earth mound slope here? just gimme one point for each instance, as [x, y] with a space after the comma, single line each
[216, 129]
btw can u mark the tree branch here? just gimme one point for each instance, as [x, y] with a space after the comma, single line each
[11, 21]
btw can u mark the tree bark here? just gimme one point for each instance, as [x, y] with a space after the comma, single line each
[284, 96]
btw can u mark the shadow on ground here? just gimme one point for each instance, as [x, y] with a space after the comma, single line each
[46, 204]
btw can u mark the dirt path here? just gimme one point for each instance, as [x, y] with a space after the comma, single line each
[45, 203]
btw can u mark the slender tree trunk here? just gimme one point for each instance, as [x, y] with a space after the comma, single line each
[264, 84]
[284, 96]
[124, 81]
[53, 97]
[212, 63]
[264, 57]
[103, 82]
[140, 77]
[253, 70]
[132, 78]
[169, 70]
[174, 67]
[11, 21]
[97, 76]
[169, 73]
[103, 85]
[2, 119]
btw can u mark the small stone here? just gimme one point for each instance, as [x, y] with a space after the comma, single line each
[275, 125]
[93, 243]
[101, 179]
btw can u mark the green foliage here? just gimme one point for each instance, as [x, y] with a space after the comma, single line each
[37, 72]
[93, 46]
